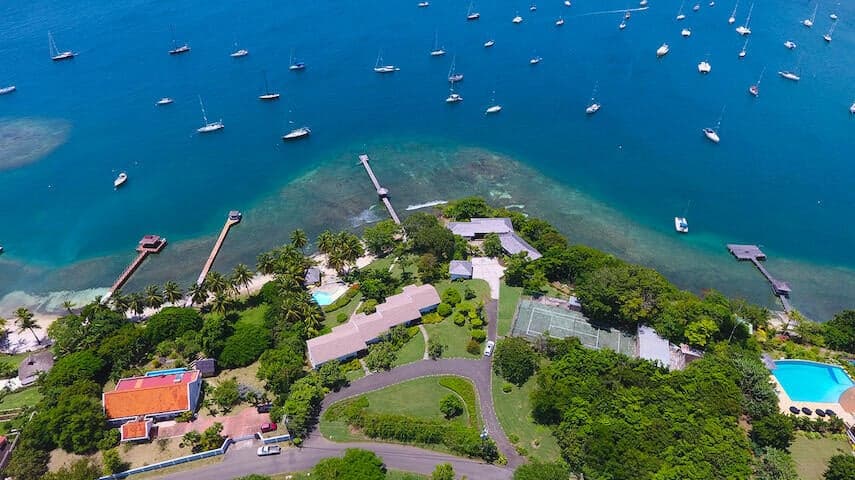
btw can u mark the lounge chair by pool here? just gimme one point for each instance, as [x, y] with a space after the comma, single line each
[794, 410]
[831, 413]
[820, 412]
[806, 411]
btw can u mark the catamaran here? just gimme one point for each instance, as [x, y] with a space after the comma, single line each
[494, 107]
[680, 15]
[55, 54]
[164, 101]
[732, 18]
[662, 50]
[744, 51]
[120, 180]
[383, 68]
[704, 67]
[808, 22]
[208, 126]
[437, 50]
[470, 15]
[292, 65]
[453, 97]
[744, 29]
[268, 95]
[297, 134]
[453, 76]
[9, 89]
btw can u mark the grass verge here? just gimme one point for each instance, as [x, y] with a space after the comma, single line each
[514, 412]
[508, 299]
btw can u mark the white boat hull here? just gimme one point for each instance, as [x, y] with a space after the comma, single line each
[9, 89]
[494, 109]
[681, 225]
[211, 127]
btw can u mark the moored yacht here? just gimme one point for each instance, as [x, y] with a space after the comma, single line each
[472, 15]
[790, 76]
[437, 50]
[517, 19]
[493, 109]
[663, 50]
[297, 134]
[790, 44]
[453, 97]
[852, 108]
[239, 53]
[833, 16]
[164, 101]
[208, 127]
[9, 89]
[559, 22]
[696, 7]
[711, 135]
[681, 225]
[489, 43]
[622, 24]
[593, 108]
[55, 54]
[534, 60]
[686, 32]
[704, 67]
[808, 22]
[380, 68]
[120, 180]
[754, 90]
[424, 4]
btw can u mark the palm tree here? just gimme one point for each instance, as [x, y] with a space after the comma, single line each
[242, 275]
[153, 297]
[221, 302]
[136, 303]
[216, 282]
[265, 263]
[172, 292]
[198, 294]
[313, 318]
[120, 302]
[326, 241]
[299, 239]
[68, 305]
[26, 322]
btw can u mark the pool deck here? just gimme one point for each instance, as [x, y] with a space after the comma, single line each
[785, 402]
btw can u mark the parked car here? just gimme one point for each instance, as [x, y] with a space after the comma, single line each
[263, 408]
[268, 427]
[488, 350]
[269, 450]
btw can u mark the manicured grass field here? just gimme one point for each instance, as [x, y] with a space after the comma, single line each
[354, 375]
[811, 455]
[412, 351]
[508, 298]
[453, 337]
[253, 316]
[514, 412]
[21, 398]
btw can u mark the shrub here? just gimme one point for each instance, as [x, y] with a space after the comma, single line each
[451, 406]
[341, 317]
[469, 293]
[269, 292]
[113, 463]
[507, 387]
[774, 430]
[476, 322]
[521, 450]
[451, 296]
[380, 356]
[184, 417]
[473, 347]
[172, 322]
[369, 306]
[513, 438]
[431, 317]
[342, 300]
[478, 335]
[444, 309]
[111, 440]
[245, 346]
[466, 391]
[435, 349]
[515, 360]
[458, 319]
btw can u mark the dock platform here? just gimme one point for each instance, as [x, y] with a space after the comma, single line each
[382, 192]
[149, 244]
[233, 219]
[753, 254]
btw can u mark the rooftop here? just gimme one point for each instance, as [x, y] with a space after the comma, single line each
[139, 430]
[513, 244]
[460, 267]
[746, 252]
[28, 370]
[139, 396]
[481, 226]
[653, 347]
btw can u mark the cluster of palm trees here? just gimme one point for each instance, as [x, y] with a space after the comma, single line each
[24, 320]
[342, 249]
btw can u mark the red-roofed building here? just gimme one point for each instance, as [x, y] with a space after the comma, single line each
[157, 397]
[136, 431]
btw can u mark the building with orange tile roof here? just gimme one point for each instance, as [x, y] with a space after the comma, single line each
[156, 397]
[136, 431]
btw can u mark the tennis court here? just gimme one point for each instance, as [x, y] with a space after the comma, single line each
[535, 319]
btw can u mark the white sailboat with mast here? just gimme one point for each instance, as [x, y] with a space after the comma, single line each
[755, 89]
[380, 68]
[680, 14]
[437, 50]
[744, 51]
[55, 54]
[732, 18]
[268, 95]
[177, 49]
[594, 106]
[239, 52]
[295, 66]
[453, 75]
[207, 126]
[712, 133]
[808, 22]
[472, 15]
[827, 36]
[745, 29]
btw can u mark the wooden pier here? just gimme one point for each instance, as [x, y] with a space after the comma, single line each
[382, 192]
[147, 245]
[753, 254]
[233, 219]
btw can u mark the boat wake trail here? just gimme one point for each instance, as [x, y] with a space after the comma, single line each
[425, 205]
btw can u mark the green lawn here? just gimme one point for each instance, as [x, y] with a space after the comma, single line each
[21, 398]
[514, 412]
[508, 299]
[390, 475]
[482, 289]
[354, 375]
[381, 263]
[811, 455]
[453, 337]
[412, 351]
[253, 316]
[330, 320]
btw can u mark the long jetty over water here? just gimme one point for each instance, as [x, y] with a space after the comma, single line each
[233, 219]
[149, 244]
[382, 192]
[753, 254]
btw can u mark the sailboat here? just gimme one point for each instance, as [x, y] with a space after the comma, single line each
[755, 89]
[453, 76]
[55, 54]
[559, 22]
[827, 36]
[453, 97]
[697, 7]
[680, 15]
[712, 133]
[534, 60]
[489, 43]
[268, 95]
[379, 68]
[208, 126]
[517, 19]
[240, 52]
[852, 108]
[424, 4]
[744, 51]
[164, 101]
[120, 180]
[470, 15]
[494, 107]
[790, 75]
[732, 18]
[593, 107]
[808, 22]
[297, 134]
[292, 65]
[744, 29]
[176, 49]
[790, 44]
[437, 50]
[662, 50]
[686, 33]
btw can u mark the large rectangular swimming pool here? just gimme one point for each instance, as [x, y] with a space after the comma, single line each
[806, 381]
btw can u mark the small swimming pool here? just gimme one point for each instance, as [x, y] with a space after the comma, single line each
[806, 381]
[323, 298]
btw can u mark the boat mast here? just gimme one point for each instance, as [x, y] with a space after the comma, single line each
[52, 45]
[761, 76]
[733, 13]
[204, 115]
[748, 19]
[266, 87]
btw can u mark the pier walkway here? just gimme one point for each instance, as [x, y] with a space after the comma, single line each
[233, 219]
[147, 245]
[753, 254]
[382, 192]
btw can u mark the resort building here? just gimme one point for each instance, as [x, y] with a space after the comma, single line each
[349, 339]
[650, 346]
[460, 270]
[477, 228]
[33, 365]
[155, 396]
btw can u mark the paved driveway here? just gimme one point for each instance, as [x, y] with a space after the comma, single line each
[489, 270]
[240, 424]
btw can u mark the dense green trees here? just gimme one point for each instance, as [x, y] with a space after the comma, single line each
[74, 332]
[172, 322]
[226, 394]
[381, 356]
[451, 406]
[443, 471]
[839, 332]
[774, 464]
[380, 237]
[775, 430]
[492, 246]
[840, 467]
[280, 368]
[514, 360]
[342, 249]
[356, 464]
[465, 209]
[244, 346]
[28, 463]
[427, 235]
[542, 471]
[301, 407]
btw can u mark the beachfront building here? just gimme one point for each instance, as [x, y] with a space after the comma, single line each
[33, 366]
[650, 346]
[460, 270]
[346, 341]
[477, 228]
[137, 402]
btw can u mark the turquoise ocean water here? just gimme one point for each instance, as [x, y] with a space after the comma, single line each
[781, 176]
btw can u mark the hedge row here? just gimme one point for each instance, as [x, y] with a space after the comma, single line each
[466, 391]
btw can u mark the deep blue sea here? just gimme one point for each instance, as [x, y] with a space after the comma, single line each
[781, 176]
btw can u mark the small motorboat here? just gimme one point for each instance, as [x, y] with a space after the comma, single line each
[627, 15]
[681, 225]
[164, 101]
[493, 109]
[179, 50]
[593, 108]
[742, 53]
[663, 50]
[827, 38]
[567, 3]
[517, 19]
[532, 8]
[424, 4]
[120, 180]
[297, 134]
[794, 410]
[453, 98]
[1, 250]
[297, 66]
[559, 22]
[790, 44]
[833, 16]
[704, 67]
[696, 7]
[681, 16]
[437, 53]
[852, 108]
[731, 20]
[754, 90]
[686, 32]
[239, 53]
[711, 135]
[269, 96]
[712, 4]
[534, 60]
[9, 89]
[743, 30]
[642, 3]
[790, 76]
[489, 43]
[807, 411]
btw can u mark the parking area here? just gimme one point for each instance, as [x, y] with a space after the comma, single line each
[489, 270]
[241, 423]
